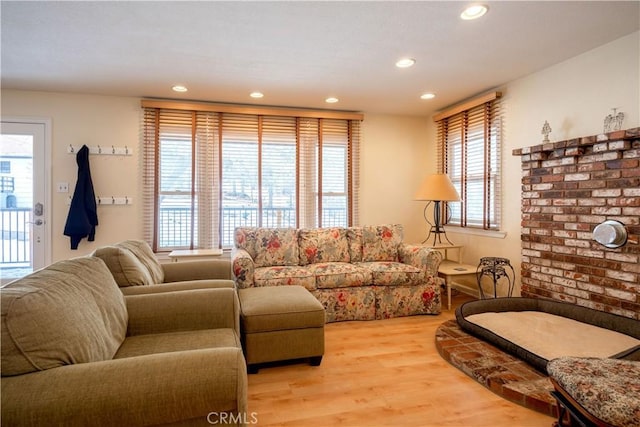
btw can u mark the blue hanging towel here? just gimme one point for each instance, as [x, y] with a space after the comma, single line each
[83, 215]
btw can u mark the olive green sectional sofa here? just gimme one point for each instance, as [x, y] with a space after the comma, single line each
[76, 351]
[357, 273]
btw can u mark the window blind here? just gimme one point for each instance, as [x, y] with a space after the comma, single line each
[469, 152]
[207, 172]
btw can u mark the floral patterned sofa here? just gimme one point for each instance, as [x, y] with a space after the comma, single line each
[357, 273]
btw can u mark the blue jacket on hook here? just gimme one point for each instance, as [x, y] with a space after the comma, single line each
[83, 215]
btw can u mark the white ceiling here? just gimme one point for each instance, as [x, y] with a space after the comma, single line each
[297, 53]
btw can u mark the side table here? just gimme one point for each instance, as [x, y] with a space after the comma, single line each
[444, 249]
[194, 254]
[450, 270]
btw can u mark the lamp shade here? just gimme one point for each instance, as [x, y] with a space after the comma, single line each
[437, 187]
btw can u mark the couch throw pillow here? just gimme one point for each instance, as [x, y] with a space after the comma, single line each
[276, 246]
[380, 243]
[318, 245]
[126, 268]
[144, 253]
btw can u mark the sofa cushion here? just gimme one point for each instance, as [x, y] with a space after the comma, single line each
[339, 275]
[354, 238]
[276, 246]
[380, 243]
[394, 273]
[323, 245]
[140, 345]
[126, 268]
[283, 276]
[143, 252]
[70, 312]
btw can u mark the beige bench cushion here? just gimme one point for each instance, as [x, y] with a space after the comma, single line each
[551, 336]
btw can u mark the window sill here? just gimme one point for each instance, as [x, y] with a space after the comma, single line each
[494, 234]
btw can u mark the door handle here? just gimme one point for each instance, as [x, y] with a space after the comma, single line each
[36, 222]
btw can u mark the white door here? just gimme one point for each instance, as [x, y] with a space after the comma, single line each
[24, 197]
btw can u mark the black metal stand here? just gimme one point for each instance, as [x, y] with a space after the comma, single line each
[496, 268]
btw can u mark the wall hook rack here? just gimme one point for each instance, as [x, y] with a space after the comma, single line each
[97, 149]
[109, 200]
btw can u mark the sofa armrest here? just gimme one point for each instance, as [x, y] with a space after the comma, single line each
[243, 268]
[183, 311]
[153, 389]
[197, 270]
[421, 256]
[178, 286]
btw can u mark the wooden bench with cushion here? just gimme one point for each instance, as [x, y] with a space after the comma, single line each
[593, 391]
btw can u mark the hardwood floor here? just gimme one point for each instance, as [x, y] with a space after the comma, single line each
[381, 373]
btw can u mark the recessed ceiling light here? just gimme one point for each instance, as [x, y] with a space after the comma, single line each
[179, 88]
[331, 100]
[405, 62]
[474, 12]
[427, 96]
[256, 94]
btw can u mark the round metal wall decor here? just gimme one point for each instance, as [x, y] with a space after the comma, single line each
[611, 234]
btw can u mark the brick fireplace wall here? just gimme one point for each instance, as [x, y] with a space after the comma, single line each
[568, 188]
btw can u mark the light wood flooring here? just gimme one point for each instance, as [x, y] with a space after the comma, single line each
[381, 373]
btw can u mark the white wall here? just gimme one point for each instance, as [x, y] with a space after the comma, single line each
[395, 158]
[574, 97]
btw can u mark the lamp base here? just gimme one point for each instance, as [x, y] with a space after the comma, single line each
[436, 229]
[437, 236]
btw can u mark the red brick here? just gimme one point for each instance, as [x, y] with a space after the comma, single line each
[594, 183]
[552, 178]
[614, 302]
[622, 164]
[624, 183]
[617, 134]
[606, 174]
[580, 194]
[628, 173]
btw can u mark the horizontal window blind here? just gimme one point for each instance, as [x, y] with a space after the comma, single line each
[207, 172]
[469, 152]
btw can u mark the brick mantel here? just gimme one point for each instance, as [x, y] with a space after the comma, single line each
[568, 188]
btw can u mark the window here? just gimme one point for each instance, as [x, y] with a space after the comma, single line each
[208, 172]
[5, 166]
[469, 152]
